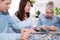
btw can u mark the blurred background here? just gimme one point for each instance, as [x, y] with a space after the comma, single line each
[38, 5]
[37, 8]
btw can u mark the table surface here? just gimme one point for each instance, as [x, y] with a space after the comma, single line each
[45, 36]
[34, 36]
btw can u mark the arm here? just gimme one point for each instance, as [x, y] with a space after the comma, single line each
[56, 24]
[38, 25]
[15, 25]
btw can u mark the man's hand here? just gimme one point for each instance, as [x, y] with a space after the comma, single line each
[53, 28]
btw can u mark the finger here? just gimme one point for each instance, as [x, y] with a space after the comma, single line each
[24, 37]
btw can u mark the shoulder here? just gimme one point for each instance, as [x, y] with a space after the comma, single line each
[15, 18]
[42, 17]
[55, 17]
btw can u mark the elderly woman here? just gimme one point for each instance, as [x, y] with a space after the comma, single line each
[48, 21]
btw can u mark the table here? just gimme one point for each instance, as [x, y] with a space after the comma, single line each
[45, 36]
[34, 36]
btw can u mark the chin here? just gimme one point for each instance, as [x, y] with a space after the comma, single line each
[27, 12]
[5, 11]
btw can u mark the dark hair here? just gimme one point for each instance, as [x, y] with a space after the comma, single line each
[21, 12]
[1, 0]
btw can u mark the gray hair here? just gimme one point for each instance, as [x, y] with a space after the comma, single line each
[50, 7]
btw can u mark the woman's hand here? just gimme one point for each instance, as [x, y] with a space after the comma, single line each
[25, 33]
[36, 28]
[32, 31]
[53, 28]
[23, 30]
[44, 27]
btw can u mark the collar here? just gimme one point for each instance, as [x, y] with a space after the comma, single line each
[4, 13]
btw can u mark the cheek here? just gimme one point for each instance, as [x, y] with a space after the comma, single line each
[51, 14]
[3, 6]
[27, 9]
[48, 14]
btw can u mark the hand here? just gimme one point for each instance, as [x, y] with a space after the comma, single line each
[23, 30]
[36, 28]
[25, 34]
[32, 31]
[53, 28]
[44, 27]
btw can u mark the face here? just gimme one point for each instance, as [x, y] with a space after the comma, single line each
[5, 5]
[27, 7]
[49, 13]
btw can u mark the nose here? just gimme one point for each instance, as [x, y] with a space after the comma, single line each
[8, 6]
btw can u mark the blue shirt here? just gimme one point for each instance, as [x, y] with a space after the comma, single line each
[4, 22]
[43, 20]
[8, 24]
[28, 23]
